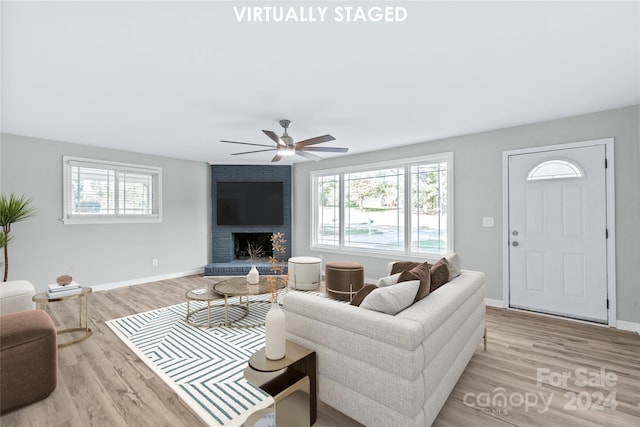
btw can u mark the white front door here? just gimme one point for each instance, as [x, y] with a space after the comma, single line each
[557, 232]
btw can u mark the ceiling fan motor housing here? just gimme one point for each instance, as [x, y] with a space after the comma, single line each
[285, 136]
[285, 124]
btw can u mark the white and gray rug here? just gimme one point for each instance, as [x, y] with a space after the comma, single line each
[204, 366]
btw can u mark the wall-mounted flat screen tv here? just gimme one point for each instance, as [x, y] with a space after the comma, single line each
[250, 203]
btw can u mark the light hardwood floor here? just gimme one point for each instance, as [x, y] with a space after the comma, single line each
[102, 383]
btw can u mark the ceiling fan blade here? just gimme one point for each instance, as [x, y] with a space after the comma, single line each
[246, 143]
[308, 155]
[325, 149]
[275, 138]
[250, 152]
[276, 158]
[316, 140]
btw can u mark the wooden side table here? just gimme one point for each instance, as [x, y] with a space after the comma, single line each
[42, 299]
[289, 375]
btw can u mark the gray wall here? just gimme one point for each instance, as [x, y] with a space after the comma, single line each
[478, 193]
[44, 248]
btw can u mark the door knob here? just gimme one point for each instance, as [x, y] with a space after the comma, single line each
[514, 232]
[515, 243]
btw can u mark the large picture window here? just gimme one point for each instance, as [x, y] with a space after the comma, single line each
[394, 207]
[98, 191]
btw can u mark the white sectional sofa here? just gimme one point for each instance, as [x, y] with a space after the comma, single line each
[384, 370]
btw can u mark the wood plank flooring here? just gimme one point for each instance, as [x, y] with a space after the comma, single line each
[102, 383]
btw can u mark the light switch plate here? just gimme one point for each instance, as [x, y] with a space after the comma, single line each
[487, 221]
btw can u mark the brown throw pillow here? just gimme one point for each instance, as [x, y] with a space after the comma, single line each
[401, 266]
[362, 293]
[439, 273]
[422, 273]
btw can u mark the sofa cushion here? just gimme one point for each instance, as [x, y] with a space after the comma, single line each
[420, 273]
[439, 273]
[362, 293]
[392, 299]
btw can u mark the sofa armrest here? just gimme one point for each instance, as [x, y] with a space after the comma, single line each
[392, 330]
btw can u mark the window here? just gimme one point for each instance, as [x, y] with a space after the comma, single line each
[554, 169]
[393, 207]
[97, 191]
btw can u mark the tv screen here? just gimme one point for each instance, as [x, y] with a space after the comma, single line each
[250, 203]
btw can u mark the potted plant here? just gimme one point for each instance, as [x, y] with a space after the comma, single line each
[12, 209]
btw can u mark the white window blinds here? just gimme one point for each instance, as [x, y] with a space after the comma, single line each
[99, 191]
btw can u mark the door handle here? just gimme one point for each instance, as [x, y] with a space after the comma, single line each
[514, 232]
[515, 243]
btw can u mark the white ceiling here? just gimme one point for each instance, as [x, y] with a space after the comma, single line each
[173, 78]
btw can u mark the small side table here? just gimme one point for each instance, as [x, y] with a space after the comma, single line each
[304, 272]
[295, 372]
[43, 298]
[344, 279]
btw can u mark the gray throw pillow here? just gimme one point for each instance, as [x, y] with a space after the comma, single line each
[391, 299]
[453, 259]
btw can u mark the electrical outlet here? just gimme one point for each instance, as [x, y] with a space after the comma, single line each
[487, 221]
[154, 262]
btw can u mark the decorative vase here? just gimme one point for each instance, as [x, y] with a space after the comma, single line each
[253, 277]
[275, 342]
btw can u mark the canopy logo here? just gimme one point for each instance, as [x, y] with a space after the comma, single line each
[282, 14]
[592, 394]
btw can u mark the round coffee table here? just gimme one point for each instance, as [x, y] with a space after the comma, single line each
[239, 287]
[201, 294]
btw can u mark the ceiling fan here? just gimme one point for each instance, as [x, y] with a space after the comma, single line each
[286, 147]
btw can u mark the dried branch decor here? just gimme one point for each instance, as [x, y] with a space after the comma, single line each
[277, 266]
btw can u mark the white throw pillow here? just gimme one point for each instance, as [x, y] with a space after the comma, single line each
[391, 299]
[388, 281]
[454, 264]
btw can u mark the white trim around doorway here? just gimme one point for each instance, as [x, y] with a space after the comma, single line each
[611, 224]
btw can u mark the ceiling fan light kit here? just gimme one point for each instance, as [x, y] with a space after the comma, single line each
[285, 145]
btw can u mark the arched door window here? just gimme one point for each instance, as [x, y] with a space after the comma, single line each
[555, 169]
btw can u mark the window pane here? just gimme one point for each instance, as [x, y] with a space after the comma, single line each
[135, 193]
[374, 213]
[92, 191]
[554, 169]
[429, 208]
[328, 227]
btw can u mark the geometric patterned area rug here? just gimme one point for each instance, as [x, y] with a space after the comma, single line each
[203, 366]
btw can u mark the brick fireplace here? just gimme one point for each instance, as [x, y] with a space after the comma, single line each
[227, 257]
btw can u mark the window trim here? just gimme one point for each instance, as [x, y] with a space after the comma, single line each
[69, 219]
[379, 253]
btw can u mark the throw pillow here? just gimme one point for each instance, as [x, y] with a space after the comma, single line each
[391, 299]
[439, 273]
[362, 293]
[453, 259]
[420, 273]
[389, 280]
[401, 266]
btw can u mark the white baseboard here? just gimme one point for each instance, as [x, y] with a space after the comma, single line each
[620, 324]
[628, 326]
[115, 285]
[494, 303]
